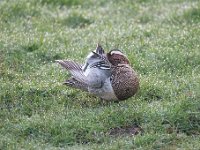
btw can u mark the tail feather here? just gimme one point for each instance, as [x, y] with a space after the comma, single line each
[75, 69]
[99, 49]
[69, 65]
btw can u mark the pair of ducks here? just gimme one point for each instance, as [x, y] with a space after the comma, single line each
[108, 76]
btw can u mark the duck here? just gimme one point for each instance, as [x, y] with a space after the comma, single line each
[108, 76]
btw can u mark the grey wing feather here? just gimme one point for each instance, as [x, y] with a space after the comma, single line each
[75, 69]
[72, 82]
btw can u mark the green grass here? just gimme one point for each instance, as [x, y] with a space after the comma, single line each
[161, 39]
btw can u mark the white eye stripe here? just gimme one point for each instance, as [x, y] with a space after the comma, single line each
[116, 52]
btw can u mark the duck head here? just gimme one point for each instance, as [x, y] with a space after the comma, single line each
[116, 57]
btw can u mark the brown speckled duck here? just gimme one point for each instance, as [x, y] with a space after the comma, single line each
[106, 75]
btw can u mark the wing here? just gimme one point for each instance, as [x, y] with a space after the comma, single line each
[75, 69]
[72, 82]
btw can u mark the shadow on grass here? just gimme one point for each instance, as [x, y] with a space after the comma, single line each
[190, 16]
[75, 21]
[29, 57]
[63, 2]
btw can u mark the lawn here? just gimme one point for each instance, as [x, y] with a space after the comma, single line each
[162, 41]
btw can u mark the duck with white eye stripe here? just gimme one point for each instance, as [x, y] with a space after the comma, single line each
[105, 75]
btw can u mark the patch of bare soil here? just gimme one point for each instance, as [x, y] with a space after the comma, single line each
[125, 130]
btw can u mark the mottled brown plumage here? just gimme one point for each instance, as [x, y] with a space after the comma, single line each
[124, 79]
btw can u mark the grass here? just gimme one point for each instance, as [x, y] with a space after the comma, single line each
[162, 42]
